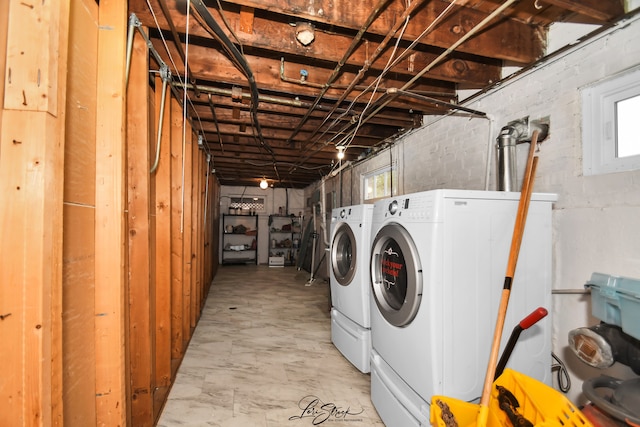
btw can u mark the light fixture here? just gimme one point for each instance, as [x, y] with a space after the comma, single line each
[264, 184]
[305, 33]
[340, 152]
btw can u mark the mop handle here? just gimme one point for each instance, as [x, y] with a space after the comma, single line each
[516, 241]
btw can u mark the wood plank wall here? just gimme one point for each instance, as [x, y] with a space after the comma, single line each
[79, 218]
[32, 134]
[106, 266]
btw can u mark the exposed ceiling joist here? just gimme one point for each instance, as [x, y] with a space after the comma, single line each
[322, 77]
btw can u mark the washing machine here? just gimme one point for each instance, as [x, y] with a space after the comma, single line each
[438, 262]
[349, 281]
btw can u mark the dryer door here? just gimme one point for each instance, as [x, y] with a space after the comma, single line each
[344, 254]
[396, 275]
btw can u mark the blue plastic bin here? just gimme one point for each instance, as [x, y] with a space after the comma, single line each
[616, 300]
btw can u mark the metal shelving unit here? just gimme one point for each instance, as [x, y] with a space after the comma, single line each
[239, 239]
[285, 232]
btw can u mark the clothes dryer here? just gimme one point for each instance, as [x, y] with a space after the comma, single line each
[438, 262]
[349, 281]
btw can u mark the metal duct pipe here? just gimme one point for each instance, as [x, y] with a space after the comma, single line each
[514, 133]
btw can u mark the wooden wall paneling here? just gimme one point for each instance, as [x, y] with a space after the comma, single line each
[31, 175]
[151, 131]
[140, 346]
[207, 229]
[163, 244]
[203, 229]
[215, 228]
[31, 212]
[79, 218]
[195, 232]
[4, 30]
[177, 270]
[204, 178]
[60, 49]
[186, 236]
[111, 391]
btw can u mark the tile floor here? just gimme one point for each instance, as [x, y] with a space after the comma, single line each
[261, 356]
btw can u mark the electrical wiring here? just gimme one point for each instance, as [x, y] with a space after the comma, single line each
[229, 27]
[376, 82]
[175, 69]
[402, 56]
[564, 381]
[286, 164]
[239, 59]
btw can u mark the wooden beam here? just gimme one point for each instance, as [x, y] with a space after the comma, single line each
[212, 65]
[111, 402]
[31, 211]
[186, 235]
[138, 232]
[4, 26]
[279, 36]
[177, 250]
[32, 66]
[246, 19]
[79, 246]
[31, 177]
[195, 200]
[163, 243]
[603, 11]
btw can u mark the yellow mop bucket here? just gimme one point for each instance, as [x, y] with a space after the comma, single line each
[535, 404]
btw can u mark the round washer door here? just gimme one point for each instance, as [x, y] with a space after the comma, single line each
[396, 275]
[344, 254]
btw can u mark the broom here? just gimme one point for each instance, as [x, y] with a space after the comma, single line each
[516, 241]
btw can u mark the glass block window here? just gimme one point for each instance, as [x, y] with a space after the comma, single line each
[250, 203]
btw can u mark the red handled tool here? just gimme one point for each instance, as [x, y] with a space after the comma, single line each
[525, 323]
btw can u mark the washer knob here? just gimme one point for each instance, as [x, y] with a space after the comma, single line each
[393, 207]
[342, 213]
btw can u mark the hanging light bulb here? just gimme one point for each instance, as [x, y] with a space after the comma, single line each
[340, 152]
[264, 184]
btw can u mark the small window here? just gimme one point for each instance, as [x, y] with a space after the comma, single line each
[610, 124]
[248, 204]
[379, 184]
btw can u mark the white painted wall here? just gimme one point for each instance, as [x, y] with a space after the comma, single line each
[596, 218]
[274, 199]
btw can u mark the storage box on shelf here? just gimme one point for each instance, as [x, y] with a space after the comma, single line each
[285, 232]
[239, 239]
[616, 300]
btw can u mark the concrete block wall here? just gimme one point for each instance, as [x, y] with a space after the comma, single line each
[596, 226]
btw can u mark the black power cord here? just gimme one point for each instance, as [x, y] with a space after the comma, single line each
[564, 381]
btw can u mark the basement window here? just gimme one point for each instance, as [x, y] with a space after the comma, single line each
[380, 183]
[610, 125]
[247, 204]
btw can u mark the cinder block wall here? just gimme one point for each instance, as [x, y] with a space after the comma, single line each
[596, 225]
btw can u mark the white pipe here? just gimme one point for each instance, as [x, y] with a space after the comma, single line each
[487, 176]
[344, 165]
[313, 246]
[325, 237]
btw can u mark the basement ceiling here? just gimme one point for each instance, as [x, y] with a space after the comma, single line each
[276, 87]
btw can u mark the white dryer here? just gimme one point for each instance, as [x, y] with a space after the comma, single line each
[438, 262]
[350, 284]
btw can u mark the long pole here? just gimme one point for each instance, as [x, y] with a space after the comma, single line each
[516, 241]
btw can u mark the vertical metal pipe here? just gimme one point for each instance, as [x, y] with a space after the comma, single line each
[506, 151]
[166, 76]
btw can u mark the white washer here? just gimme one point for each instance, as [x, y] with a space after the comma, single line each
[350, 284]
[438, 263]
